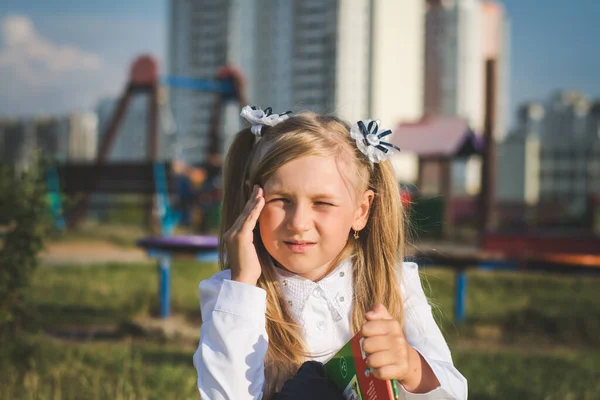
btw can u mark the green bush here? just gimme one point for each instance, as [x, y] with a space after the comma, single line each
[22, 211]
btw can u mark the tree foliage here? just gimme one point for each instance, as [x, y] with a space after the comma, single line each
[22, 211]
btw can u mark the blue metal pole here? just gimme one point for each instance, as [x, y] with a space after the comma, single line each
[55, 199]
[461, 296]
[206, 85]
[164, 264]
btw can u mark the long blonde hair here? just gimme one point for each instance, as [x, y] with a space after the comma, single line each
[375, 254]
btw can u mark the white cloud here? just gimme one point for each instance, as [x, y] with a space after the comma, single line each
[35, 61]
[56, 64]
[43, 76]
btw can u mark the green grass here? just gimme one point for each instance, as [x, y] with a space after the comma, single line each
[522, 308]
[526, 336]
[103, 371]
[120, 234]
[112, 293]
[552, 308]
[511, 374]
[150, 371]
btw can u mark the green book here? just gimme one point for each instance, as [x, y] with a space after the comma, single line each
[349, 371]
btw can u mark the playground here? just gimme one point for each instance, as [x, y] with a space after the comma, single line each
[531, 335]
[114, 306]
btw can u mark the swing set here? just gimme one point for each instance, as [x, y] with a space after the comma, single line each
[149, 177]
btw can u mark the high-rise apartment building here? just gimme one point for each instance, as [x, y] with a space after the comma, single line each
[198, 45]
[462, 36]
[398, 50]
[454, 74]
[496, 48]
[352, 58]
[570, 155]
[453, 60]
[82, 129]
[554, 155]
[63, 139]
[518, 158]
[313, 64]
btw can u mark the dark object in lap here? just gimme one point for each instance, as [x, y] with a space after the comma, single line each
[311, 383]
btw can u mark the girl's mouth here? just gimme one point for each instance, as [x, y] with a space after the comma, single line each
[299, 247]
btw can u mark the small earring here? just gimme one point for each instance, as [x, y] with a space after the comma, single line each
[356, 234]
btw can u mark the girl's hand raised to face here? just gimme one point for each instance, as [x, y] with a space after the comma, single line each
[239, 241]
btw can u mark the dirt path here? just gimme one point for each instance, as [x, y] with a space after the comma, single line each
[89, 253]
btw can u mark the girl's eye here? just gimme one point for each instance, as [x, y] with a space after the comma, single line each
[278, 199]
[322, 203]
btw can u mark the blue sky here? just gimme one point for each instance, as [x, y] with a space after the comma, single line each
[104, 36]
[554, 46]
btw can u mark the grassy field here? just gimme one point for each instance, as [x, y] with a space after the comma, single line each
[526, 336]
[105, 370]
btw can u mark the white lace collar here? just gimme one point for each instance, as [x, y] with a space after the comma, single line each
[335, 288]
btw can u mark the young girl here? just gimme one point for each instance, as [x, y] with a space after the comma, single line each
[312, 243]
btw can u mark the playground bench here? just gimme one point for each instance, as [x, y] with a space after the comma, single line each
[143, 178]
[562, 254]
[165, 248]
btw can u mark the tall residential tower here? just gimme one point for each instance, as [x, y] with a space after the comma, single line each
[352, 58]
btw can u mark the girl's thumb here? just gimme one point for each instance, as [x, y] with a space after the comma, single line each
[378, 312]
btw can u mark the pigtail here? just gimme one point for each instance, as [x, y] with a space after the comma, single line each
[387, 219]
[235, 191]
[380, 249]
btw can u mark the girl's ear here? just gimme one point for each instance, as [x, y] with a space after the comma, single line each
[361, 215]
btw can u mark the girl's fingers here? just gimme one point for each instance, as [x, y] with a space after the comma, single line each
[378, 312]
[374, 344]
[379, 327]
[388, 372]
[381, 359]
[250, 222]
[250, 203]
[249, 209]
[241, 219]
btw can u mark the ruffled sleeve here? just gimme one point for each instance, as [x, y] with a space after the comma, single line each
[424, 335]
[233, 339]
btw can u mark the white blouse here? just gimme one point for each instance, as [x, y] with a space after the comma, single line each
[233, 337]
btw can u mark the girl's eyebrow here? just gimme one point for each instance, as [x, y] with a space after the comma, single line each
[280, 192]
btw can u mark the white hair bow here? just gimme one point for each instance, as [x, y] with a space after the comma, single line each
[368, 137]
[257, 118]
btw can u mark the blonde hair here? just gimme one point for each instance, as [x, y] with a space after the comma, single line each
[380, 245]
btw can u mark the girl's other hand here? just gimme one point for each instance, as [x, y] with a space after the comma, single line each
[385, 345]
[239, 241]
[390, 356]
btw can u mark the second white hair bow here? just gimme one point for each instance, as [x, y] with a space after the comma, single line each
[257, 118]
[368, 137]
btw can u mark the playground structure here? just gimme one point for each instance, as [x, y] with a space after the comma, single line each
[556, 252]
[149, 176]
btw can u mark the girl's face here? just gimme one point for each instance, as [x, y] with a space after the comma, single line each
[308, 214]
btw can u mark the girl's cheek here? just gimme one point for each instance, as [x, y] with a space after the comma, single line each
[271, 213]
[331, 213]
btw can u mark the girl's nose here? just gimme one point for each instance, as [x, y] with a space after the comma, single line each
[299, 218]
